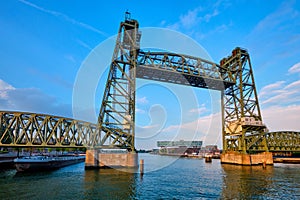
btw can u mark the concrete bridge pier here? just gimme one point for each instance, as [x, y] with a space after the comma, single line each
[111, 158]
[236, 158]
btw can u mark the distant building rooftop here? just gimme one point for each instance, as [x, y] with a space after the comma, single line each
[179, 143]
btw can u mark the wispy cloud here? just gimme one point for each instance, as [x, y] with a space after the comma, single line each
[271, 89]
[200, 110]
[85, 45]
[4, 88]
[295, 68]
[64, 17]
[280, 118]
[142, 100]
[192, 20]
[139, 110]
[282, 94]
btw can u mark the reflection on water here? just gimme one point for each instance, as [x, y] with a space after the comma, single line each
[255, 182]
[182, 179]
[246, 181]
[109, 184]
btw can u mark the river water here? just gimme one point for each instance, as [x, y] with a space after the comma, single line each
[165, 178]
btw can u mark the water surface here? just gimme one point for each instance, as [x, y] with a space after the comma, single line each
[165, 178]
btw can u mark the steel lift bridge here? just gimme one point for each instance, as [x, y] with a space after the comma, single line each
[244, 132]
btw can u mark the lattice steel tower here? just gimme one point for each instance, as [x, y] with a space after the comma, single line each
[117, 113]
[242, 120]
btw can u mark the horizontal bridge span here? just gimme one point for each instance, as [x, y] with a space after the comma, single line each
[183, 69]
[283, 141]
[21, 129]
[279, 141]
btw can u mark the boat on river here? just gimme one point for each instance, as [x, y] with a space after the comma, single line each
[45, 163]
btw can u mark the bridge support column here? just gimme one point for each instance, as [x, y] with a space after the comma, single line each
[237, 158]
[111, 158]
[91, 158]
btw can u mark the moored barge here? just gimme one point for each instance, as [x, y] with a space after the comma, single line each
[45, 163]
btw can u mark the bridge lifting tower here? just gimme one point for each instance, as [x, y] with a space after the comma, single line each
[117, 112]
[241, 116]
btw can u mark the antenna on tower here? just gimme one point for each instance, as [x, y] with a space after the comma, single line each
[127, 15]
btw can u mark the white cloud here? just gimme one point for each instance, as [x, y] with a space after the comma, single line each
[200, 110]
[282, 118]
[4, 87]
[208, 16]
[293, 85]
[280, 93]
[281, 104]
[193, 21]
[141, 111]
[190, 19]
[30, 100]
[271, 89]
[295, 68]
[194, 17]
[142, 100]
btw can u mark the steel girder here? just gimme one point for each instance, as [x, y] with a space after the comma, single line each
[20, 129]
[117, 112]
[183, 69]
[280, 141]
[283, 141]
[241, 115]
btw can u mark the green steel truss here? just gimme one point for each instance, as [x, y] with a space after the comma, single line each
[20, 129]
[117, 112]
[183, 69]
[243, 128]
[281, 141]
[241, 116]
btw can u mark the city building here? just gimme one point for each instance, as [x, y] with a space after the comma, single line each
[180, 147]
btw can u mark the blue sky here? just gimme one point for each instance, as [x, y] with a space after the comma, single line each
[43, 45]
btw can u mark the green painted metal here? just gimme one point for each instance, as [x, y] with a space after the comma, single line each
[21, 129]
[117, 112]
[242, 124]
[183, 70]
[240, 107]
[280, 141]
